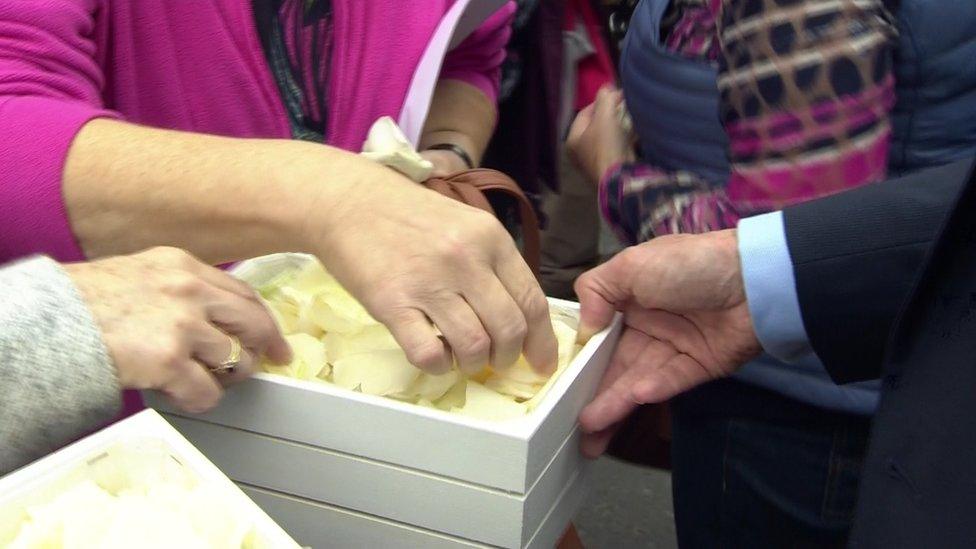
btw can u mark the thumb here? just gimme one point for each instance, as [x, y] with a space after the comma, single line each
[601, 292]
[580, 123]
[606, 101]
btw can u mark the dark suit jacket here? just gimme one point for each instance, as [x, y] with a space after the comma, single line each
[886, 277]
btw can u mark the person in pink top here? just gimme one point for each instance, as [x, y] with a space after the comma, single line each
[229, 129]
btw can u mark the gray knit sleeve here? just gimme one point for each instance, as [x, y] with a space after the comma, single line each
[57, 380]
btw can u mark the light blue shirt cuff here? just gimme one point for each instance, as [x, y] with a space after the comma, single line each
[767, 271]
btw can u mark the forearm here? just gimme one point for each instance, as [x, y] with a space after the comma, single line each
[463, 110]
[460, 114]
[128, 187]
[641, 201]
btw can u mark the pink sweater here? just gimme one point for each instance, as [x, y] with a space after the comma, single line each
[195, 66]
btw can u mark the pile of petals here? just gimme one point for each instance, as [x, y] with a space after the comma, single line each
[335, 340]
[135, 496]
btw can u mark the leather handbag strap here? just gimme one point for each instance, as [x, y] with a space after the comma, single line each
[472, 187]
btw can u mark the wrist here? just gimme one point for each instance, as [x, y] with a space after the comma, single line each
[445, 163]
[609, 161]
[328, 193]
[317, 188]
[459, 157]
[728, 240]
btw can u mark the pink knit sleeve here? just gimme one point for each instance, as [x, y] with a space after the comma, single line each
[478, 59]
[49, 88]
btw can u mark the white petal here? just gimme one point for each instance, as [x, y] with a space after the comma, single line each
[383, 372]
[483, 403]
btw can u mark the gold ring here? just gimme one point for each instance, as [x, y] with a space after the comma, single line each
[233, 359]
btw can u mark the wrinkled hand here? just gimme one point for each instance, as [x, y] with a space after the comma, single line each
[416, 260]
[596, 139]
[165, 317]
[686, 322]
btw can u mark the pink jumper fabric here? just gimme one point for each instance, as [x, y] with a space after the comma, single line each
[195, 66]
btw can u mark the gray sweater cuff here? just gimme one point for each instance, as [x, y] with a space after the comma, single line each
[57, 380]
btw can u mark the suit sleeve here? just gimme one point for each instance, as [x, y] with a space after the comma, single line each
[856, 256]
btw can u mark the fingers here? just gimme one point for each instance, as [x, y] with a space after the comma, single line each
[601, 292]
[579, 125]
[250, 321]
[594, 445]
[212, 347]
[464, 332]
[637, 359]
[540, 346]
[193, 389]
[415, 334]
[502, 319]
[606, 102]
[610, 406]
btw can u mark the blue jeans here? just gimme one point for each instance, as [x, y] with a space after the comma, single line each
[754, 469]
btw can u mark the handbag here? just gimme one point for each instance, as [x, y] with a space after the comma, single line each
[478, 187]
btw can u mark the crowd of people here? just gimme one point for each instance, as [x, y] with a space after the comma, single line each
[790, 181]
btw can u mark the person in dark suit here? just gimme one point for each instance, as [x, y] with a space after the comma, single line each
[877, 282]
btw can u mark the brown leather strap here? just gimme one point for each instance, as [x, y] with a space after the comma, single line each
[472, 186]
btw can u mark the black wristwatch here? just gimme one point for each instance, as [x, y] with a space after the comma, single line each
[456, 149]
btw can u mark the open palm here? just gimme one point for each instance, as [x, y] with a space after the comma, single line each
[686, 322]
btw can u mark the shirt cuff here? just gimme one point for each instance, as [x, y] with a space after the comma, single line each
[767, 271]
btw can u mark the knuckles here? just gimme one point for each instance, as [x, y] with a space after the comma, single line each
[428, 356]
[183, 285]
[513, 331]
[476, 344]
[173, 257]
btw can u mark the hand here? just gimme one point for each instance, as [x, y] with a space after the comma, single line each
[596, 139]
[417, 260]
[165, 317]
[686, 322]
[446, 163]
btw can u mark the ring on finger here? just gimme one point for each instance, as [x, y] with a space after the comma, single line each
[233, 360]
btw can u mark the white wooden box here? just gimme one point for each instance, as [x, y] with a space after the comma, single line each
[310, 520]
[47, 477]
[487, 482]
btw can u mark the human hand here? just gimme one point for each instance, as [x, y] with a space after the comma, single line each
[446, 163]
[165, 319]
[597, 139]
[686, 322]
[416, 260]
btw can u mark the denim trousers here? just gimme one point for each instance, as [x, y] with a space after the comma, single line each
[752, 468]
